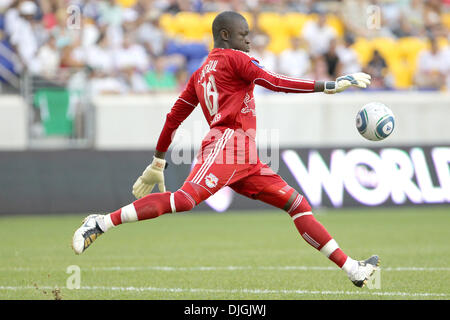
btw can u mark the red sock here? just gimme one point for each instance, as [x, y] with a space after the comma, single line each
[152, 206]
[314, 232]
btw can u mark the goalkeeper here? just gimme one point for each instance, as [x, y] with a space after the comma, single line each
[223, 86]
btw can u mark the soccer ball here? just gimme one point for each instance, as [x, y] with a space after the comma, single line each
[375, 121]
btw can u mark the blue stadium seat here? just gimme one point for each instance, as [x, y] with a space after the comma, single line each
[193, 51]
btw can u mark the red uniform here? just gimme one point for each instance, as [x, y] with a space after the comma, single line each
[223, 86]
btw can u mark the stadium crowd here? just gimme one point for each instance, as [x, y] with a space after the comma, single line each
[127, 46]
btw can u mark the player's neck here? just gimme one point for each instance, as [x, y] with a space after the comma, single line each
[225, 47]
[222, 45]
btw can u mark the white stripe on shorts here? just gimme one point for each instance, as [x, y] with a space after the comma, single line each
[213, 155]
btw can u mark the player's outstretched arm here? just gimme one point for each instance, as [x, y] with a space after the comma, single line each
[359, 79]
[252, 71]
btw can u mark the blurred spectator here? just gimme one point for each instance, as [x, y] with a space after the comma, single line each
[412, 19]
[73, 54]
[353, 13]
[182, 78]
[150, 34]
[173, 7]
[12, 17]
[49, 10]
[101, 55]
[348, 57]
[22, 34]
[391, 13]
[378, 69]
[369, 18]
[334, 66]
[266, 58]
[305, 6]
[432, 12]
[225, 5]
[318, 34]
[48, 60]
[135, 81]
[432, 66]
[131, 55]
[115, 20]
[111, 13]
[91, 9]
[159, 79]
[103, 83]
[64, 36]
[258, 49]
[320, 69]
[295, 61]
[89, 33]
[404, 28]
[5, 4]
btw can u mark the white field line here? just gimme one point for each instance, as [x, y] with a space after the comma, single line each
[240, 291]
[273, 268]
[232, 268]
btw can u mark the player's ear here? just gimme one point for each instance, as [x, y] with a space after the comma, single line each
[224, 34]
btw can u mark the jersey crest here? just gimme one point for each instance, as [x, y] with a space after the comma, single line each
[211, 180]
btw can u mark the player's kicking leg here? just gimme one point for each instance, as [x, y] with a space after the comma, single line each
[148, 207]
[194, 191]
[272, 189]
[199, 185]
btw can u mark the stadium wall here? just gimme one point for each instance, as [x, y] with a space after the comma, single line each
[13, 123]
[134, 122]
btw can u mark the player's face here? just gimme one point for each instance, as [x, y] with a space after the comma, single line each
[239, 39]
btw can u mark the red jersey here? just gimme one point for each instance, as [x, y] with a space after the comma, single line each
[223, 86]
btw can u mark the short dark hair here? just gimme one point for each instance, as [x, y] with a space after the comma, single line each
[224, 20]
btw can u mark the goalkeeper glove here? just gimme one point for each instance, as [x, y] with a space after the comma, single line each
[153, 174]
[359, 79]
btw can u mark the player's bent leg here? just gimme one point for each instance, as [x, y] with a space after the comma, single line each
[314, 233]
[148, 207]
[311, 230]
[317, 236]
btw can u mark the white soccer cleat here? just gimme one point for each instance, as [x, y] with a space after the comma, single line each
[86, 234]
[364, 270]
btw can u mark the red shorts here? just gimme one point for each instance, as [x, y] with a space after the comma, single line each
[251, 178]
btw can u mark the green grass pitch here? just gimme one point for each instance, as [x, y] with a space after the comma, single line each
[232, 255]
